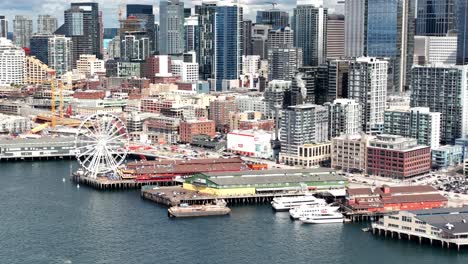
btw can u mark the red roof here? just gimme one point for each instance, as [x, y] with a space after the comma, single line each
[416, 198]
[394, 190]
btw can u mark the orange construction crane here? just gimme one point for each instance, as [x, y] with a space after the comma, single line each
[52, 97]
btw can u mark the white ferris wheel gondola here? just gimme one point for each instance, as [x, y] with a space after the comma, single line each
[101, 144]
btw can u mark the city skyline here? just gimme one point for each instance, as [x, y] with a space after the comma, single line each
[110, 8]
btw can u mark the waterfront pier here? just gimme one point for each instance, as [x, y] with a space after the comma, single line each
[175, 195]
[447, 227]
[103, 183]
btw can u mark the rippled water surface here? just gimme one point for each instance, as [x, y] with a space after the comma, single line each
[46, 220]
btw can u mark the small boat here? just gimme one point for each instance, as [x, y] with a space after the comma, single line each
[324, 217]
[365, 229]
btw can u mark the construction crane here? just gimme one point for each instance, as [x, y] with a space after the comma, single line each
[52, 97]
[120, 11]
[273, 4]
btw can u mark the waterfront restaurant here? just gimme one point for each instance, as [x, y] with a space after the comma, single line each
[266, 181]
[447, 226]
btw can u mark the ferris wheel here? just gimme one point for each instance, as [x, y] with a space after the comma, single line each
[101, 144]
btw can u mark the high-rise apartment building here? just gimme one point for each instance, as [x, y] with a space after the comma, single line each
[335, 36]
[283, 63]
[303, 124]
[12, 60]
[275, 96]
[418, 123]
[190, 33]
[46, 24]
[227, 45]
[274, 17]
[443, 89]
[84, 26]
[3, 27]
[310, 32]
[247, 37]
[345, 117]
[205, 13]
[135, 46]
[60, 54]
[435, 17]
[280, 38]
[171, 27]
[22, 30]
[367, 84]
[145, 13]
[260, 40]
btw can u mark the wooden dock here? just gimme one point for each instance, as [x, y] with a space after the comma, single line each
[175, 195]
[103, 183]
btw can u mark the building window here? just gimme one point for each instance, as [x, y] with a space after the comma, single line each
[420, 230]
[420, 222]
[406, 219]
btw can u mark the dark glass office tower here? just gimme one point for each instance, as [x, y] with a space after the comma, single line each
[275, 18]
[462, 46]
[435, 17]
[145, 12]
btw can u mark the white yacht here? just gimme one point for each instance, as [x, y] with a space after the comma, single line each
[306, 210]
[324, 217]
[287, 203]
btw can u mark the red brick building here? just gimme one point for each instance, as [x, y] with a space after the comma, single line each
[219, 112]
[190, 128]
[267, 124]
[394, 198]
[90, 94]
[397, 157]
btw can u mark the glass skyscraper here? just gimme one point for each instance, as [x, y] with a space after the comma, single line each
[227, 45]
[171, 27]
[310, 31]
[435, 17]
[382, 28]
[462, 40]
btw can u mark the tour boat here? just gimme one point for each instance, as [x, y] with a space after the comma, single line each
[287, 203]
[306, 210]
[324, 217]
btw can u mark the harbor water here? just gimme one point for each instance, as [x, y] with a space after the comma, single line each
[44, 219]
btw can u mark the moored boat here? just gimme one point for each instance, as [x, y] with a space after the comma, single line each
[324, 217]
[306, 210]
[287, 203]
[185, 210]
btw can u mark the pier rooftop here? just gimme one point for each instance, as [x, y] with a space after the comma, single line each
[172, 168]
[394, 198]
[252, 182]
[42, 147]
